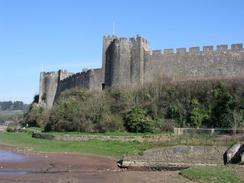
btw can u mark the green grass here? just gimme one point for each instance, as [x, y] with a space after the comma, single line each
[114, 149]
[219, 174]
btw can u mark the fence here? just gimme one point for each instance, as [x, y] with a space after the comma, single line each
[208, 131]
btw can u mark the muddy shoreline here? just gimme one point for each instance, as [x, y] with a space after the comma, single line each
[70, 167]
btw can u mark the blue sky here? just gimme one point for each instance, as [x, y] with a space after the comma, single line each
[67, 34]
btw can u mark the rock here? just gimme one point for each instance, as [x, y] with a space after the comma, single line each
[42, 136]
[233, 154]
[242, 158]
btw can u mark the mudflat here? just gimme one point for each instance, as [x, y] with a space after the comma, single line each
[70, 167]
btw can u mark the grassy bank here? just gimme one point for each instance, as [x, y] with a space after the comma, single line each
[217, 174]
[115, 149]
[106, 148]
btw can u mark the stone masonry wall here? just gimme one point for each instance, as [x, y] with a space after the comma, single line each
[91, 79]
[124, 61]
[130, 61]
[195, 64]
[53, 83]
[48, 88]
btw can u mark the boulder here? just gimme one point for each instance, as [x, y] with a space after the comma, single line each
[42, 136]
[233, 154]
[242, 158]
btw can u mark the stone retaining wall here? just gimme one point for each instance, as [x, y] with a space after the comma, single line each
[146, 138]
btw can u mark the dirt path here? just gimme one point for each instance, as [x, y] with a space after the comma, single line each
[74, 168]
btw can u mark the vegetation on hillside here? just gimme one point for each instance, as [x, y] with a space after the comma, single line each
[154, 107]
[36, 116]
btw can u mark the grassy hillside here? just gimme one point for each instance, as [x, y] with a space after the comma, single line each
[114, 149]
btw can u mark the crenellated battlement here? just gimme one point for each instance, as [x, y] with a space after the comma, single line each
[200, 50]
[51, 73]
[85, 79]
[110, 37]
[74, 76]
[137, 38]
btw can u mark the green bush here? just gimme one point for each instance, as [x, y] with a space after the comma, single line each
[79, 110]
[136, 120]
[197, 114]
[65, 116]
[37, 116]
[12, 127]
[222, 111]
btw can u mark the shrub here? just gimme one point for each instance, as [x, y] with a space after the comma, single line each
[12, 127]
[64, 116]
[197, 114]
[136, 120]
[223, 105]
[37, 116]
[86, 111]
[167, 125]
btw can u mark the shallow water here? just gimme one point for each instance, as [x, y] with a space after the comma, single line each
[10, 172]
[7, 156]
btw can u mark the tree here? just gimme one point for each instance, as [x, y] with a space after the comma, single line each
[222, 113]
[197, 114]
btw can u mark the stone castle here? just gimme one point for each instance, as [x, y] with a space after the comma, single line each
[129, 62]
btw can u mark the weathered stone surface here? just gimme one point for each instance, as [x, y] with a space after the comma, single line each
[42, 136]
[129, 62]
[242, 158]
[234, 154]
[53, 83]
[176, 157]
[146, 138]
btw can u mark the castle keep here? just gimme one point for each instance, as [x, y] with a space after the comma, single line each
[129, 62]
